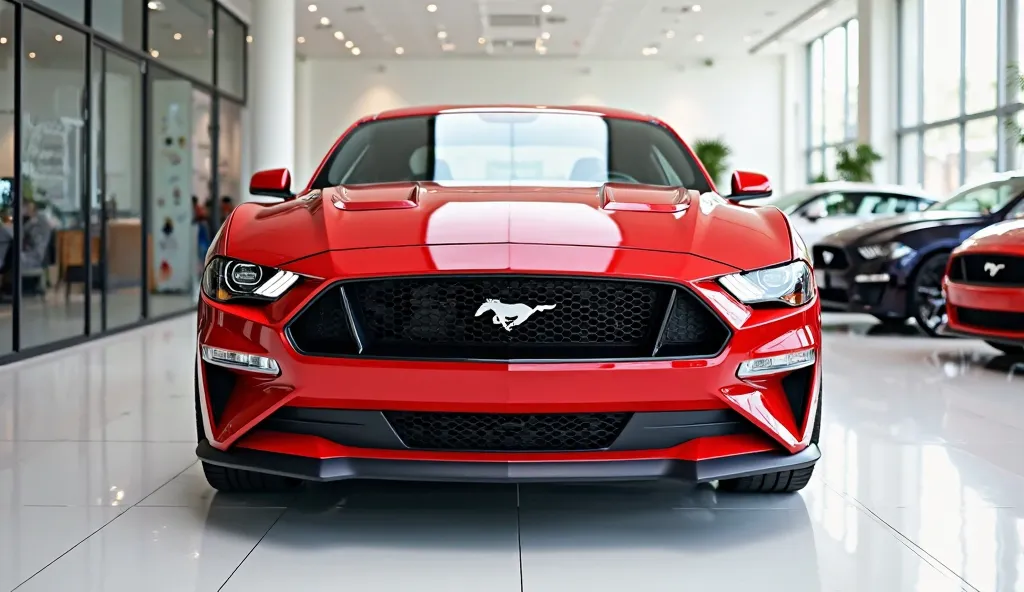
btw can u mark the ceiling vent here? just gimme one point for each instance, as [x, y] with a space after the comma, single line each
[513, 20]
[555, 20]
[530, 43]
[355, 9]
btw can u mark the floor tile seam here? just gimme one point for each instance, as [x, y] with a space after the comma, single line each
[900, 537]
[255, 545]
[104, 525]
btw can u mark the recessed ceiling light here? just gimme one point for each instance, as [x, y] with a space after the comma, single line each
[339, 35]
[152, 52]
[325, 21]
[3, 41]
[248, 38]
[32, 55]
[670, 34]
[356, 51]
[695, 8]
[399, 50]
[481, 40]
[698, 38]
[447, 47]
[431, 7]
[311, 8]
[155, 5]
[58, 38]
[546, 8]
[349, 44]
[301, 39]
[442, 34]
[649, 51]
[545, 35]
[177, 36]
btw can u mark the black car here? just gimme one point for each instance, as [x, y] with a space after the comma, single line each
[892, 268]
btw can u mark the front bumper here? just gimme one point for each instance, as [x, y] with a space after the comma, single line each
[340, 468]
[240, 411]
[873, 287]
[1002, 309]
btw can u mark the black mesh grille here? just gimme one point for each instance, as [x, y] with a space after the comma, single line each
[978, 269]
[507, 432]
[323, 328]
[509, 318]
[830, 258]
[991, 319]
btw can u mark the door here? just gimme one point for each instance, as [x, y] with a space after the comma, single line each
[118, 193]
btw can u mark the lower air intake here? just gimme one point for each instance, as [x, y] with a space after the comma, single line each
[486, 432]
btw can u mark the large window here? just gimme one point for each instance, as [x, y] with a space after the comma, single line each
[104, 212]
[833, 77]
[954, 92]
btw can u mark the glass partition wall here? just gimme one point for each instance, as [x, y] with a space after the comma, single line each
[120, 154]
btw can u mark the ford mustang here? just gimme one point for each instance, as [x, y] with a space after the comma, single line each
[508, 294]
[984, 287]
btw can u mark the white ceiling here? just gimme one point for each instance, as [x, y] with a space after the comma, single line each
[595, 29]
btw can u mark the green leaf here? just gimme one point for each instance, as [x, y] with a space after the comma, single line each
[714, 153]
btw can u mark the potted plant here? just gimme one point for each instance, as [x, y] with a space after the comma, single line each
[714, 153]
[855, 165]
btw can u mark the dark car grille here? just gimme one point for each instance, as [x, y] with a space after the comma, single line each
[446, 318]
[970, 269]
[830, 258]
[990, 319]
[507, 432]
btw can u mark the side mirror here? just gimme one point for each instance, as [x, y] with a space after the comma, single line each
[272, 183]
[747, 185]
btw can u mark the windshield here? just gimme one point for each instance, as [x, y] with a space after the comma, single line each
[511, 148]
[789, 202]
[983, 200]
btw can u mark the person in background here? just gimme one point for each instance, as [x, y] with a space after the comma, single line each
[226, 206]
[37, 232]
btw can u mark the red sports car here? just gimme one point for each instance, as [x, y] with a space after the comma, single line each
[984, 287]
[508, 294]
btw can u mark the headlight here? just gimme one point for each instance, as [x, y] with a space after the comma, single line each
[229, 279]
[788, 284]
[892, 250]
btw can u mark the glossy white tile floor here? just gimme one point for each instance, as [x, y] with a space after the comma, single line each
[921, 489]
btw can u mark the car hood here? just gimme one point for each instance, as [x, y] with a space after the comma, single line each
[891, 227]
[1006, 237]
[427, 214]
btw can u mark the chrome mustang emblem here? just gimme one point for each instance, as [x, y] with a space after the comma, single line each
[993, 268]
[827, 256]
[510, 315]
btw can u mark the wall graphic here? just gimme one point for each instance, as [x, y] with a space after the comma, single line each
[172, 258]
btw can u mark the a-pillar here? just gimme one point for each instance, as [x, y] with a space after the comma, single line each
[877, 89]
[272, 85]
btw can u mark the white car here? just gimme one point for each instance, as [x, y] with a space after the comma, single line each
[821, 209]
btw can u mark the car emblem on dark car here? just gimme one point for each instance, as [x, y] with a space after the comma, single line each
[993, 268]
[510, 315]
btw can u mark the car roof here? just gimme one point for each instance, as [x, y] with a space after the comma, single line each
[427, 110]
[851, 186]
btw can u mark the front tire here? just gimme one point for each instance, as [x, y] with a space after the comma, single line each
[926, 299]
[779, 481]
[1006, 348]
[228, 480]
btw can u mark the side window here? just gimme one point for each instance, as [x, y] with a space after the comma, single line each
[832, 204]
[1016, 212]
[887, 205]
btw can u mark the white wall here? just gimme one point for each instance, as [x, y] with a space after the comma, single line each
[739, 100]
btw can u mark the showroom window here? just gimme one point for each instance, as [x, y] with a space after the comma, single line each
[109, 195]
[833, 78]
[956, 96]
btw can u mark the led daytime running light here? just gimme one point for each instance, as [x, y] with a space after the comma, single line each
[776, 364]
[240, 361]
